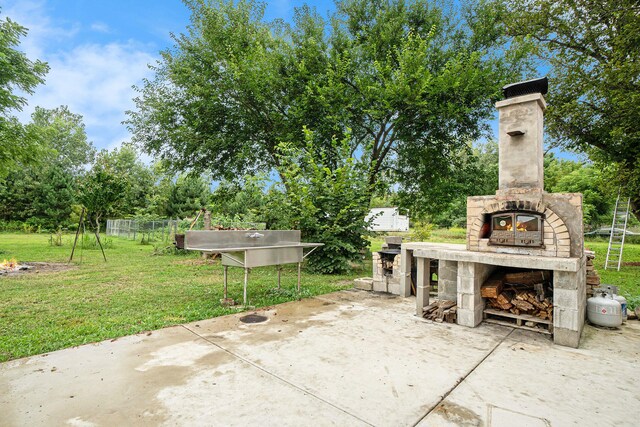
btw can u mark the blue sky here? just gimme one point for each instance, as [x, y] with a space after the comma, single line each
[99, 49]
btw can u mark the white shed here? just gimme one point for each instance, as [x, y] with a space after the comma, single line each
[387, 219]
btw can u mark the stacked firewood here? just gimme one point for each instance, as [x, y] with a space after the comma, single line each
[441, 311]
[526, 292]
[593, 278]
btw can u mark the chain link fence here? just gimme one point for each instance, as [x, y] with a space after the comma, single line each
[143, 230]
[165, 230]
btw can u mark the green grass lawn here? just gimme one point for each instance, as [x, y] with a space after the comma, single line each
[628, 278]
[134, 291]
[137, 291]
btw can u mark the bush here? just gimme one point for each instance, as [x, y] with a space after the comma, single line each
[327, 198]
[89, 242]
[6, 225]
[421, 231]
[56, 238]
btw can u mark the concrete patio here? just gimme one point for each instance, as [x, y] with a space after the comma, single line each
[348, 358]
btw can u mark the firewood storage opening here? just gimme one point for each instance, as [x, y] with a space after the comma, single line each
[433, 278]
[519, 298]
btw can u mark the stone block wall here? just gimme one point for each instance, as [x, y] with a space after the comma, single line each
[447, 280]
[569, 305]
[471, 276]
[562, 225]
[383, 283]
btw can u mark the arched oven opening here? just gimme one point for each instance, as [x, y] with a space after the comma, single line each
[516, 228]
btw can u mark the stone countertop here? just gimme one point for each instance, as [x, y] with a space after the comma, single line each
[457, 252]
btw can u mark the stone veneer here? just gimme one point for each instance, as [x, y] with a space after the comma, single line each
[463, 269]
[562, 225]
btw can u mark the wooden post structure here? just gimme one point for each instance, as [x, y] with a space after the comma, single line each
[75, 242]
[100, 243]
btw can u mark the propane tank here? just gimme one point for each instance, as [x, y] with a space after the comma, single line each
[603, 310]
[622, 300]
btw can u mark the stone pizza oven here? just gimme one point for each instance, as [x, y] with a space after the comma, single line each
[521, 218]
[520, 227]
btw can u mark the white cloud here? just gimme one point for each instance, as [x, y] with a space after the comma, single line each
[100, 27]
[94, 80]
[41, 32]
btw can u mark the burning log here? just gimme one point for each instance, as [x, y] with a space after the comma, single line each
[11, 265]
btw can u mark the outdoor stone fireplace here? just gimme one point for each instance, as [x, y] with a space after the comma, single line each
[521, 226]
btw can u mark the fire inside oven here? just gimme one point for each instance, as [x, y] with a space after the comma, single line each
[516, 229]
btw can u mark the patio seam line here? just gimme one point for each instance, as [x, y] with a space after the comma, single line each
[461, 380]
[277, 377]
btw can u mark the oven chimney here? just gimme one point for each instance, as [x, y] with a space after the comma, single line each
[520, 135]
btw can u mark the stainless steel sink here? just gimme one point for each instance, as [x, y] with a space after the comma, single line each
[251, 248]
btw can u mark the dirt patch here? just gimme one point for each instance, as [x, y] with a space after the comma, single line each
[631, 264]
[38, 267]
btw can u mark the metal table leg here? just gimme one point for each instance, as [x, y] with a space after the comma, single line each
[299, 266]
[246, 279]
[225, 281]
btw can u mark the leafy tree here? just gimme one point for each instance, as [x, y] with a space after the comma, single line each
[16, 192]
[124, 163]
[594, 99]
[555, 169]
[54, 197]
[44, 193]
[420, 82]
[443, 200]
[100, 193]
[18, 76]
[275, 212]
[569, 176]
[587, 180]
[160, 192]
[244, 199]
[327, 202]
[189, 194]
[214, 103]
[407, 82]
[65, 137]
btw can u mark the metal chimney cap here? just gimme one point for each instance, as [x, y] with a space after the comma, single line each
[526, 87]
